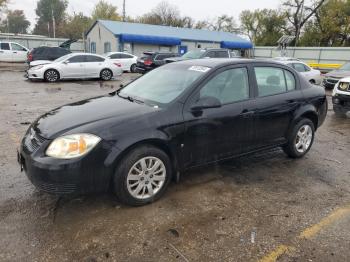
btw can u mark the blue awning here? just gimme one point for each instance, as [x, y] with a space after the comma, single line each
[148, 39]
[236, 45]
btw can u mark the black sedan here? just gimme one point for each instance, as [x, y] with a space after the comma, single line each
[176, 117]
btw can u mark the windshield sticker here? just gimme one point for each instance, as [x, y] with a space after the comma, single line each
[202, 69]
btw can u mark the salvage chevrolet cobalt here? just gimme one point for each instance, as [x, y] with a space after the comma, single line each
[176, 117]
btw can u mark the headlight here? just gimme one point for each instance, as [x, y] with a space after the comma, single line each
[71, 146]
[37, 67]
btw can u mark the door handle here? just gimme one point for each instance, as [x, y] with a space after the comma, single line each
[15, 52]
[246, 114]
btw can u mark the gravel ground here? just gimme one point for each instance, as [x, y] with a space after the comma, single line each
[239, 210]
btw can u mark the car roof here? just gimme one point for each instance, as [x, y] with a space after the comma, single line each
[285, 62]
[218, 62]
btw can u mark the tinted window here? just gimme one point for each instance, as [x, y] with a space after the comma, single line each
[210, 54]
[299, 67]
[4, 46]
[221, 54]
[272, 80]
[114, 56]
[229, 86]
[125, 56]
[77, 59]
[92, 58]
[163, 56]
[17, 47]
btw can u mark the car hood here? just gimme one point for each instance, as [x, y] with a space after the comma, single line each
[338, 73]
[39, 62]
[83, 116]
[176, 59]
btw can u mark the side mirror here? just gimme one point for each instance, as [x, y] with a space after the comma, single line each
[206, 102]
[65, 62]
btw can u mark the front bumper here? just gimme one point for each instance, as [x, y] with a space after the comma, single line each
[341, 103]
[34, 74]
[87, 174]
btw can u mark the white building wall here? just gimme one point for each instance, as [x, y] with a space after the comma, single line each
[100, 35]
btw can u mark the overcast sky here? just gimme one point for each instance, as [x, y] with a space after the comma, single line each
[196, 9]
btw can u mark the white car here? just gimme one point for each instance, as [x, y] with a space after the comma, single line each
[12, 52]
[127, 61]
[75, 65]
[341, 97]
[312, 75]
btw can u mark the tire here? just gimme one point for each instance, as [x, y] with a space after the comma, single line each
[312, 81]
[51, 75]
[300, 139]
[132, 182]
[106, 75]
[133, 68]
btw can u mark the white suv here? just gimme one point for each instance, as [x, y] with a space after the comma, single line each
[12, 52]
[341, 97]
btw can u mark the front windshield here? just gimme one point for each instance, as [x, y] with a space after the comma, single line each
[194, 54]
[164, 84]
[62, 58]
[346, 66]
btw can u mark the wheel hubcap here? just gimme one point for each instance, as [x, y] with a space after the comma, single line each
[303, 139]
[106, 75]
[51, 76]
[146, 177]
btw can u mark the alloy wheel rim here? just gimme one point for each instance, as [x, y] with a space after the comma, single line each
[146, 177]
[303, 139]
[51, 76]
[106, 75]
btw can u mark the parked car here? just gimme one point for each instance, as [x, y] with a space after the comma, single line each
[45, 53]
[333, 77]
[152, 60]
[128, 61]
[314, 76]
[76, 65]
[12, 52]
[202, 53]
[341, 97]
[160, 125]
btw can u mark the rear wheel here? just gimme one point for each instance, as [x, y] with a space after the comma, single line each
[133, 68]
[300, 139]
[51, 75]
[142, 176]
[106, 74]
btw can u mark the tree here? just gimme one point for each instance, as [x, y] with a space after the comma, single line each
[224, 23]
[299, 13]
[50, 13]
[76, 25]
[16, 22]
[103, 10]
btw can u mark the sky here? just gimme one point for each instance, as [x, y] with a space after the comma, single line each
[196, 9]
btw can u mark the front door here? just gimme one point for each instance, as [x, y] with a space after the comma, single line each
[19, 53]
[74, 67]
[217, 133]
[278, 98]
[5, 52]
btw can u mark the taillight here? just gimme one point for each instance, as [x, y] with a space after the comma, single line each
[148, 62]
[30, 57]
[117, 64]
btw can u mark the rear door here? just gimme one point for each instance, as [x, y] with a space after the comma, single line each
[278, 96]
[74, 67]
[93, 65]
[19, 53]
[217, 133]
[5, 52]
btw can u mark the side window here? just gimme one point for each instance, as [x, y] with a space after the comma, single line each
[160, 57]
[107, 47]
[16, 47]
[92, 58]
[221, 54]
[299, 67]
[290, 80]
[115, 56]
[125, 56]
[229, 86]
[93, 47]
[272, 80]
[77, 59]
[4, 46]
[210, 54]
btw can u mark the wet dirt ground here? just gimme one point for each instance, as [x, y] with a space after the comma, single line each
[263, 207]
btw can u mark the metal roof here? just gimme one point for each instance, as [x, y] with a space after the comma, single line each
[200, 35]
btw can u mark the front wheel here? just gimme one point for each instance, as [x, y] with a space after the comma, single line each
[51, 75]
[300, 139]
[142, 176]
[106, 75]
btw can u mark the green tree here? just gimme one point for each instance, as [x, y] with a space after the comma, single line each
[105, 11]
[16, 22]
[50, 12]
[224, 23]
[76, 25]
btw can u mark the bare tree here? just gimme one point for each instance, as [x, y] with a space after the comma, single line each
[299, 12]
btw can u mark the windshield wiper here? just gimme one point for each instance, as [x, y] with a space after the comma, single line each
[131, 99]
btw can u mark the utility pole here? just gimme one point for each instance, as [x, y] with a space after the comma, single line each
[124, 15]
[53, 23]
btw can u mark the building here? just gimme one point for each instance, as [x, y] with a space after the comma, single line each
[105, 36]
